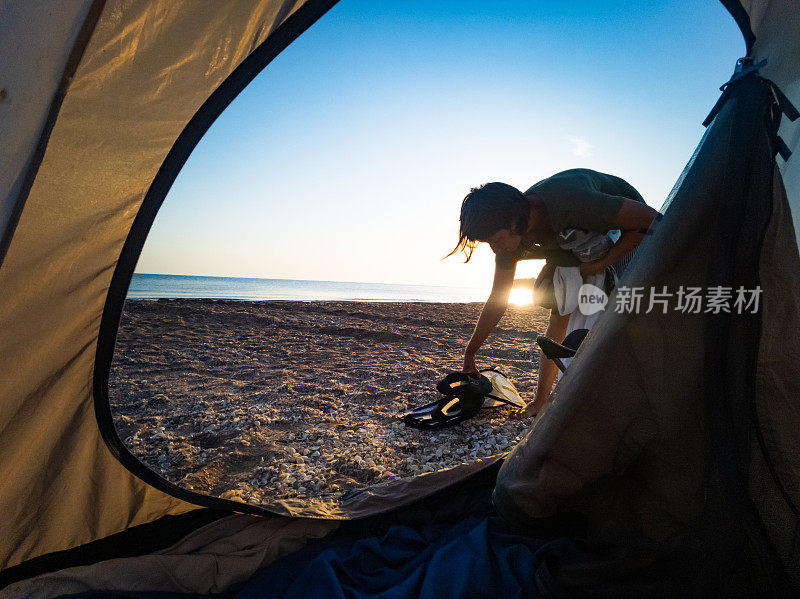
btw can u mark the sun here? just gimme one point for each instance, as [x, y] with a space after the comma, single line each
[521, 296]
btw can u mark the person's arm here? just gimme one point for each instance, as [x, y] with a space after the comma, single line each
[556, 330]
[492, 312]
[633, 219]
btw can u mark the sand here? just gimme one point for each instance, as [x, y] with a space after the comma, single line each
[257, 401]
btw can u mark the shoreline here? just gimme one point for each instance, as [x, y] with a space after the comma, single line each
[151, 287]
[303, 301]
[274, 399]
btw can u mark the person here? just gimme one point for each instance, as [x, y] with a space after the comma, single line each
[524, 226]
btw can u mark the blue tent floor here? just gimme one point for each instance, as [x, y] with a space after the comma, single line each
[476, 557]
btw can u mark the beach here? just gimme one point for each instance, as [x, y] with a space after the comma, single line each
[261, 400]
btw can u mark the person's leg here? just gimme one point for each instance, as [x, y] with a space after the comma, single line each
[556, 330]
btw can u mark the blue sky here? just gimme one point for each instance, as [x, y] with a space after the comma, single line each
[348, 157]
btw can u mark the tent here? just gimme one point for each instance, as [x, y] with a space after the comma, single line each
[101, 104]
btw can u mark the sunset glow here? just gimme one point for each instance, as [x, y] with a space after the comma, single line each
[520, 297]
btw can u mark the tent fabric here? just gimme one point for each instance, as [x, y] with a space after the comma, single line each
[778, 385]
[252, 550]
[209, 560]
[776, 24]
[225, 555]
[41, 38]
[632, 437]
[146, 71]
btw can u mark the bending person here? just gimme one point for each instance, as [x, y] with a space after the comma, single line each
[526, 226]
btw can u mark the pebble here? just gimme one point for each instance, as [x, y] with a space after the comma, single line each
[232, 495]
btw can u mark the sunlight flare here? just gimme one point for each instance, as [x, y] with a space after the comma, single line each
[520, 297]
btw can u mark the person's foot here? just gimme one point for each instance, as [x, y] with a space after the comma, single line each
[529, 411]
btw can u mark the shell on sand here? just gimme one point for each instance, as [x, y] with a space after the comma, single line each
[277, 399]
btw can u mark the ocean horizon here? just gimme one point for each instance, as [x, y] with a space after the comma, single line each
[155, 286]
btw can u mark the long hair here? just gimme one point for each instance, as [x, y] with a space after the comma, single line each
[488, 209]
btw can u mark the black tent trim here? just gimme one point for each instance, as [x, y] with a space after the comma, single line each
[742, 19]
[250, 67]
[74, 59]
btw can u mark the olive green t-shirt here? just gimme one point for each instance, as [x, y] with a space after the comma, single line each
[580, 198]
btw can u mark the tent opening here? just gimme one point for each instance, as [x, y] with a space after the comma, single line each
[290, 303]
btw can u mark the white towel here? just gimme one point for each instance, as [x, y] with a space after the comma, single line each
[567, 282]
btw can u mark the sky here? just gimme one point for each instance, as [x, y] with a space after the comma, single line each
[348, 157]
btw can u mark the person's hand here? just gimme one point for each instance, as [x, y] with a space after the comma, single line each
[589, 269]
[529, 411]
[469, 364]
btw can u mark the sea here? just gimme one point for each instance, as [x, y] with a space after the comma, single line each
[153, 286]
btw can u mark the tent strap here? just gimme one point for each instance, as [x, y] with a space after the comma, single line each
[747, 67]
